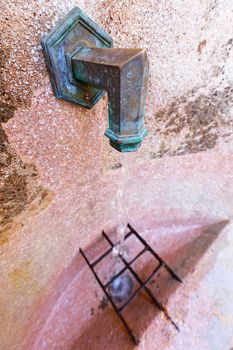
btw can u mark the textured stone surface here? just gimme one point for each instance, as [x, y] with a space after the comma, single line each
[59, 177]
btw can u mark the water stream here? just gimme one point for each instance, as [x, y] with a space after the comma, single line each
[122, 204]
[122, 286]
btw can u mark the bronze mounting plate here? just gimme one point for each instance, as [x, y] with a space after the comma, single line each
[73, 32]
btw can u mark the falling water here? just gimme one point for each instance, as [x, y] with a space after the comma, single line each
[122, 286]
[123, 198]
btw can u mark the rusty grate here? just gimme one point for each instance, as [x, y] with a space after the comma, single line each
[143, 285]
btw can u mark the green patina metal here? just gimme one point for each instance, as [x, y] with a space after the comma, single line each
[83, 65]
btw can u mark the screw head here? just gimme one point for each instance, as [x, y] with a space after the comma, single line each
[87, 96]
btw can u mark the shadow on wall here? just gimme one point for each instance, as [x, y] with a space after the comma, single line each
[105, 330]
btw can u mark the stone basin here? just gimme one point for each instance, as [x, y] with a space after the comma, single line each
[77, 316]
[182, 205]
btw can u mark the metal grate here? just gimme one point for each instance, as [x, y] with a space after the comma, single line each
[142, 285]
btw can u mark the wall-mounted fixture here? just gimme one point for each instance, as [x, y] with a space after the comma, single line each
[83, 65]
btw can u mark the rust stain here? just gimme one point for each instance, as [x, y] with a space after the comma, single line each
[41, 202]
[20, 276]
[103, 304]
[23, 281]
[4, 238]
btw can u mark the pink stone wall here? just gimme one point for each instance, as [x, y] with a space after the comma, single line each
[59, 176]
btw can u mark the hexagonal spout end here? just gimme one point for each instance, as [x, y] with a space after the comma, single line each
[126, 143]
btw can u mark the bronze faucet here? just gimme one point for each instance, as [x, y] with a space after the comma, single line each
[83, 64]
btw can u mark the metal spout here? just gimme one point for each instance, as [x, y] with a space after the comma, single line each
[123, 73]
[82, 65]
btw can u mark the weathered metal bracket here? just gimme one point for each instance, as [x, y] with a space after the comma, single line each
[74, 31]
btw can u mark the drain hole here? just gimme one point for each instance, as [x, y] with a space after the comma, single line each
[121, 288]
